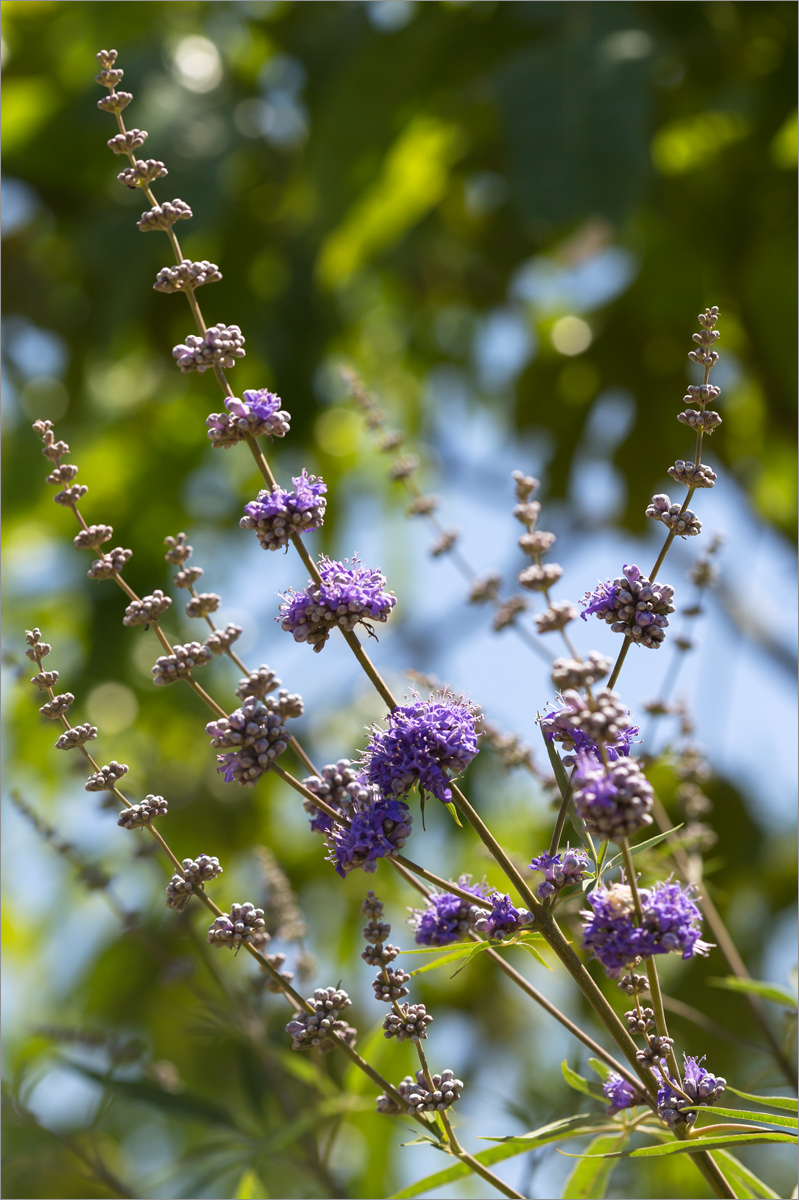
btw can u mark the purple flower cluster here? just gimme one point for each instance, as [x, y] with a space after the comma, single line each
[580, 727]
[503, 921]
[447, 918]
[348, 595]
[560, 870]
[378, 828]
[670, 921]
[632, 605]
[614, 801]
[619, 1092]
[699, 1084]
[258, 414]
[334, 788]
[253, 735]
[276, 514]
[423, 741]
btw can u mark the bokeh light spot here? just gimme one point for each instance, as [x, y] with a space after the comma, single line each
[112, 706]
[197, 64]
[571, 335]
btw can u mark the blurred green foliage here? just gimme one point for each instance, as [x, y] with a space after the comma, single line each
[394, 185]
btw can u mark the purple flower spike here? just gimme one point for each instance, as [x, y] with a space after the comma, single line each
[670, 923]
[632, 605]
[619, 1092]
[378, 829]
[504, 920]
[702, 1087]
[276, 514]
[447, 918]
[560, 870]
[423, 741]
[349, 594]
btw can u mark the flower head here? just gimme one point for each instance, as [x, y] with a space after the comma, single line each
[619, 1092]
[276, 514]
[560, 870]
[378, 829]
[614, 801]
[447, 918]
[702, 1087]
[424, 740]
[258, 414]
[504, 920]
[348, 594]
[670, 921]
[632, 605]
[254, 735]
[582, 723]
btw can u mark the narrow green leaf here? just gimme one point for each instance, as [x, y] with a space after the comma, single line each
[757, 987]
[602, 1069]
[453, 812]
[785, 1103]
[557, 1131]
[579, 1084]
[452, 956]
[464, 946]
[508, 1148]
[527, 945]
[716, 1141]
[743, 1114]
[647, 845]
[745, 1182]
[589, 1179]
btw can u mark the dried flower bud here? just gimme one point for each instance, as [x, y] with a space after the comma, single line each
[528, 513]
[222, 639]
[93, 537]
[145, 172]
[45, 680]
[556, 617]
[693, 475]
[221, 346]
[105, 779]
[525, 485]
[705, 421]
[507, 613]
[403, 467]
[536, 543]
[63, 474]
[683, 522]
[186, 276]
[485, 589]
[127, 142]
[71, 495]
[258, 684]
[58, 705]
[203, 605]
[178, 551]
[163, 216]
[444, 543]
[109, 564]
[390, 441]
[149, 608]
[409, 1024]
[115, 102]
[540, 578]
[188, 577]
[422, 506]
[171, 667]
[243, 925]
[78, 735]
[139, 815]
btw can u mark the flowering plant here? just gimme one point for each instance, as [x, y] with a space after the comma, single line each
[424, 746]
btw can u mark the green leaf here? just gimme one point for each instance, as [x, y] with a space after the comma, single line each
[250, 1187]
[742, 1114]
[786, 1103]
[745, 1182]
[557, 1131]
[589, 1179]
[602, 1069]
[579, 1084]
[453, 812]
[647, 845]
[472, 949]
[716, 1141]
[757, 987]
[509, 1148]
[464, 946]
